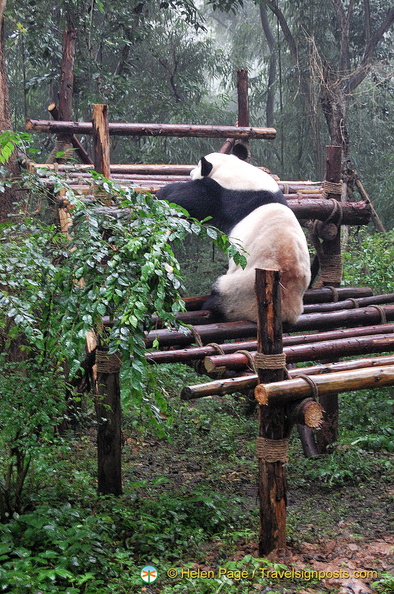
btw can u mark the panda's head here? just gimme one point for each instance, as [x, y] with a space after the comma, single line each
[233, 173]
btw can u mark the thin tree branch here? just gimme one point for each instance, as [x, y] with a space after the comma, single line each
[362, 71]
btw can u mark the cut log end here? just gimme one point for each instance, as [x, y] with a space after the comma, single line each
[310, 413]
[261, 395]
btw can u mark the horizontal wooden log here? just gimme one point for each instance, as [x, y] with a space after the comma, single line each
[330, 349]
[233, 330]
[352, 213]
[204, 316]
[322, 295]
[329, 384]
[350, 303]
[244, 384]
[207, 333]
[149, 129]
[189, 354]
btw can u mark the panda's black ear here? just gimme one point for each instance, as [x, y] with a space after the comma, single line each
[241, 151]
[206, 167]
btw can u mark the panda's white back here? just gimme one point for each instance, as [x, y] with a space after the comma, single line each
[273, 239]
[234, 174]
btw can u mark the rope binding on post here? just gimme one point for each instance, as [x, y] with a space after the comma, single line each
[272, 450]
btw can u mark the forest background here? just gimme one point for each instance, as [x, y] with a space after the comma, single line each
[319, 72]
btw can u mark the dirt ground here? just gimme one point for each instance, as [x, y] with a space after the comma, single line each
[335, 531]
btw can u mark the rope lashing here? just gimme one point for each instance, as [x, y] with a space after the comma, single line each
[275, 361]
[383, 317]
[355, 302]
[311, 382]
[250, 358]
[217, 347]
[108, 363]
[331, 188]
[336, 209]
[197, 337]
[272, 450]
[335, 294]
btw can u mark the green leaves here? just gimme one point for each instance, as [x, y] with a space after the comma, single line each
[9, 141]
[115, 273]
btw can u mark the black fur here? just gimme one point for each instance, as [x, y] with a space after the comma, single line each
[204, 198]
[213, 303]
[206, 167]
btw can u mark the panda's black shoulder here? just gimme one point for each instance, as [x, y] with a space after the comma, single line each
[191, 188]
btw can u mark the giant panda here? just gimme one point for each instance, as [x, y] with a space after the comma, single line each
[249, 205]
[273, 239]
[224, 188]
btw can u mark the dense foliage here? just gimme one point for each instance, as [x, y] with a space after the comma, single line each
[167, 62]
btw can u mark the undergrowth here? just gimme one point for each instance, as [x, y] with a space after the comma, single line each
[185, 498]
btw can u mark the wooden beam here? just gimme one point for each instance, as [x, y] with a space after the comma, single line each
[189, 354]
[165, 130]
[328, 385]
[108, 411]
[314, 351]
[272, 420]
[101, 142]
[244, 384]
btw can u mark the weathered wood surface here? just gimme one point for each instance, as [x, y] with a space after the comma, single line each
[244, 384]
[109, 441]
[194, 353]
[273, 424]
[232, 330]
[323, 295]
[333, 383]
[346, 347]
[101, 142]
[151, 129]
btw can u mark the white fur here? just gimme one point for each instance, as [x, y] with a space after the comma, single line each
[274, 239]
[234, 174]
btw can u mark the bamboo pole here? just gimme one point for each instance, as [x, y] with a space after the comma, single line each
[148, 129]
[327, 385]
[244, 384]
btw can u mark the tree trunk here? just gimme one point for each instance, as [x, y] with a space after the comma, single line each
[10, 195]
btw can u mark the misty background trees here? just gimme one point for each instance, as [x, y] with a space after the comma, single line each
[320, 72]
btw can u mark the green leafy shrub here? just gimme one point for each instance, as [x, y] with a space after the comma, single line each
[54, 288]
[370, 261]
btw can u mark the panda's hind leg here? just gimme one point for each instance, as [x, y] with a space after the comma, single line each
[215, 306]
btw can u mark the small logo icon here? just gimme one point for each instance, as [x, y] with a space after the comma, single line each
[149, 574]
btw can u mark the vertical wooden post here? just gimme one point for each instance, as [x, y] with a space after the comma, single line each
[331, 275]
[101, 140]
[243, 99]
[272, 421]
[108, 411]
[243, 110]
[63, 142]
[66, 86]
